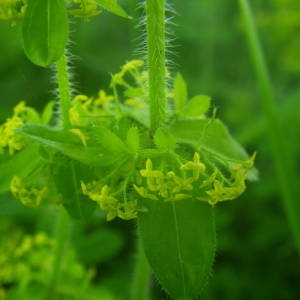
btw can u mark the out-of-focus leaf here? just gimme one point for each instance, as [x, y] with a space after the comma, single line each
[21, 164]
[181, 94]
[133, 139]
[45, 31]
[164, 140]
[99, 246]
[113, 7]
[197, 106]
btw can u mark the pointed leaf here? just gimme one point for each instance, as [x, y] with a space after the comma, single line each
[197, 106]
[45, 30]
[210, 135]
[113, 7]
[180, 90]
[179, 241]
[102, 148]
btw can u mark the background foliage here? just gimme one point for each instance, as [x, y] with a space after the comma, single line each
[256, 257]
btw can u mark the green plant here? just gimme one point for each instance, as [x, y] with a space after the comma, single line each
[144, 152]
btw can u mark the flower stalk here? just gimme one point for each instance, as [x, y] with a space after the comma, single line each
[156, 52]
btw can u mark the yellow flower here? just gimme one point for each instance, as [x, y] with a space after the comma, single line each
[28, 196]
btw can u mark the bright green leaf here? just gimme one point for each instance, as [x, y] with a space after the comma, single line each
[113, 7]
[164, 140]
[45, 30]
[179, 239]
[197, 106]
[133, 139]
[181, 94]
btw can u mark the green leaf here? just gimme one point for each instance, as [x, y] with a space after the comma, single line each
[133, 139]
[179, 239]
[102, 148]
[113, 7]
[210, 135]
[197, 106]
[181, 93]
[98, 246]
[45, 31]
[164, 140]
[48, 112]
[21, 164]
[67, 178]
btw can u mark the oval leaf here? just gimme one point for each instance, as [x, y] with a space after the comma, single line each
[45, 31]
[179, 239]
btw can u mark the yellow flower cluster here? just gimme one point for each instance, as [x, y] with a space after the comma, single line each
[83, 107]
[125, 210]
[9, 10]
[193, 182]
[16, 260]
[8, 137]
[28, 196]
[85, 9]
[131, 67]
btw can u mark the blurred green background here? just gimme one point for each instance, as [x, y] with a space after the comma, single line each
[256, 257]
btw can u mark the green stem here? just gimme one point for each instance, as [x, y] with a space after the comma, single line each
[62, 234]
[155, 12]
[64, 89]
[283, 164]
[141, 282]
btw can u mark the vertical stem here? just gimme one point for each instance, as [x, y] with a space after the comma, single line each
[285, 172]
[62, 234]
[64, 89]
[155, 13]
[141, 282]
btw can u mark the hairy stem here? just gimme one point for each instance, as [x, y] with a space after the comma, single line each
[142, 276]
[281, 157]
[62, 234]
[64, 89]
[155, 13]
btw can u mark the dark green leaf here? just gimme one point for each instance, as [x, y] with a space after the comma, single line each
[179, 241]
[67, 178]
[21, 164]
[99, 246]
[45, 30]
